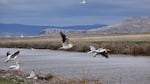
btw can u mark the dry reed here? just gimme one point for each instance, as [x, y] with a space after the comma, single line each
[123, 44]
[19, 77]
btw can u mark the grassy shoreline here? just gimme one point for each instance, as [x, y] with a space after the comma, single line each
[19, 77]
[136, 44]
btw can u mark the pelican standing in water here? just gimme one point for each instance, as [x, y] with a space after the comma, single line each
[101, 51]
[11, 56]
[15, 67]
[65, 42]
[32, 75]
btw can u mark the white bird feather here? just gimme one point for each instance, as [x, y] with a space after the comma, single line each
[32, 75]
[100, 51]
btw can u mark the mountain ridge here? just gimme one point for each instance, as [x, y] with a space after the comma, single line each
[21, 29]
[132, 25]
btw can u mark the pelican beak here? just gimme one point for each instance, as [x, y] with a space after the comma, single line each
[19, 62]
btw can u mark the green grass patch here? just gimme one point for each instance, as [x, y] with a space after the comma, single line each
[10, 81]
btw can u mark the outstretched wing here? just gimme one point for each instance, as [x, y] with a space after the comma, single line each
[32, 75]
[15, 54]
[63, 36]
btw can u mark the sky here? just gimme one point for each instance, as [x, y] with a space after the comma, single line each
[71, 12]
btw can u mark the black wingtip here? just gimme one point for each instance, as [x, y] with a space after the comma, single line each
[17, 52]
[61, 33]
[107, 57]
[8, 53]
[63, 37]
[104, 54]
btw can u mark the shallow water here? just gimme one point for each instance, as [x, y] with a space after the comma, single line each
[118, 69]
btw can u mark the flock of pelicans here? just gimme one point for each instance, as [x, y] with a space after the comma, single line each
[65, 45]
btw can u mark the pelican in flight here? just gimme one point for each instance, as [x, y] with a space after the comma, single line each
[11, 56]
[100, 51]
[15, 67]
[65, 42]
[83, 2]
[32, 75]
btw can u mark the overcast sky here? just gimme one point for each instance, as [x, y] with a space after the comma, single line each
[71, 12]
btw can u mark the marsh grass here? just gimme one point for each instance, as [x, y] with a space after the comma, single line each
[7, 81]
[127, 47]
[119, 44]
[19, 77]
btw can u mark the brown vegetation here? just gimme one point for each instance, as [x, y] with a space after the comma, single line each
[19, 77]
[134, 44]
[132, 48]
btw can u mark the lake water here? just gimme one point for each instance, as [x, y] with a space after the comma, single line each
[118, 69]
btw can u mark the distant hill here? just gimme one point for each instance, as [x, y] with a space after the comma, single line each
[79, 29]
[133, 25]
[55, 31]
[29, 30]
[19, 29]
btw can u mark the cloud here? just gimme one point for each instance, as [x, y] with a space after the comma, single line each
[71, 11]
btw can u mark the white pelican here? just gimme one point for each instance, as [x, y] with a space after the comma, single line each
[100, 51]
[11, 56]
[15, 67]
[32, 75]
[83, 2]
[65, 42]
